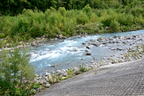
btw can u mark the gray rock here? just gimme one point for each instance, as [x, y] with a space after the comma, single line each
[120, 49]
[83, 43]
[43, 36]
[47, 85]
[82, 58]
[117, 41]
[110, 38]
[33, 44]
[56, 38]
[76, 70]
[91, 40]
[38, 38]
[128, 37]
[65, 74]
[38, 89]
[44, 82]
[104, 42]
[64, 37]
[40, 81]
[60, 36]
[86, 50]
[96, 44]
[101, 39]
[113, 48]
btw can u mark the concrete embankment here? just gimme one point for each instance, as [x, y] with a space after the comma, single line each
[115, 79]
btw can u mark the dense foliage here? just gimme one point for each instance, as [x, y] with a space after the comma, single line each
[13, 7]
[33, 19]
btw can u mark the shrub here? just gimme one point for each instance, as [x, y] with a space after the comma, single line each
[2, 35]
[62, 11]
[82, 68]
[54, 78]
[70, 73]
[107, 21]
[87, 8]
[14, 68]
[114, 26]
[140, 20]
[82, 18]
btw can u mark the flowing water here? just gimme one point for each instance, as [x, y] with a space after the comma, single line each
[68, 53]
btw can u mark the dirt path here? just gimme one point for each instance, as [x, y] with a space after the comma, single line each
[117, 79]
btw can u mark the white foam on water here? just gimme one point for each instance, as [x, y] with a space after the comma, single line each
[49, 55]
[68, 43]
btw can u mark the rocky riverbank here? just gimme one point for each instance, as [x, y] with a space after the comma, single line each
[129, 48]
[39, 41]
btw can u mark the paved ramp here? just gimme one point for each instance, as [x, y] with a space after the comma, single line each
[118, 79]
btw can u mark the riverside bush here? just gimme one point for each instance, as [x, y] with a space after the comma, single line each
[35, 23]
[2, 35]
[82, 18]
[114, 26]
[14, 69]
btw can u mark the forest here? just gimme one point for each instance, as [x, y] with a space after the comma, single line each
[27, 19]
[14, 7]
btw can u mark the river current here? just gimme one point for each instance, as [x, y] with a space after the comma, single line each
[69, 53]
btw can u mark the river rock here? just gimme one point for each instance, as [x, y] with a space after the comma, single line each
[128, 37]
[110, 38]
[38, 89]
[115, 36]
[88, 53]
[96, 44]
[91, 40]
[76, 70]
[43, 36]
[60, 36]
[64, 74]
[33, 44]
[86, 50]
[20, 46]
[101, 39]
[38, 38]
[45, 82]
[117, 41]
[47, 85]
[87, 47]
[120, 49]
[64, 37]
[104, 42]
[56, 38]
[47, 74]
[83, 43]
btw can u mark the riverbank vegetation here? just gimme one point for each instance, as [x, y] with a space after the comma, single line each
[15, 69]
[69, 18]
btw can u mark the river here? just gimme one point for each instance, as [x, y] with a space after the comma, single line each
[69, 53]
